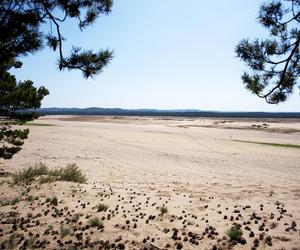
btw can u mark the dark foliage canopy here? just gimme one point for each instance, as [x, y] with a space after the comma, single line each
[20, 30]
[274, 63]
[21, 34]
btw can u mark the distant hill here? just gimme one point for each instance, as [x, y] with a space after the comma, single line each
[156, 112]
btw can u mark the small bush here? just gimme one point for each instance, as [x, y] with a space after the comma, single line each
[163, 210]
[28, 174]
[69, 173]
[30, 198]
[54, 201]
[12, 202]
[101, 207]
[15, 201]
[94, 222]
[75, 217]
[234, 233]
[72, 173]
[64, 231]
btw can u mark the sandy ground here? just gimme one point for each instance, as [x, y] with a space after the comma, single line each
[203, 171]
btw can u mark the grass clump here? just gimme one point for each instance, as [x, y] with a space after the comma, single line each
[53, 201]
[27, 175]
[69, 173]
[95, 222]
[75, 217]
[101, 207]
[72, 173]
[64, 231]
[234, 233]
[163, 210]
[11, 202]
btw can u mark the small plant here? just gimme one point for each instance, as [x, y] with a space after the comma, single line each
[30, 198]
[4, 203]
[72, 173]
[234, 233]
[15, 201]
[30, 242]
[48, 229]
[75, 217]
[94, 222]
[101, 207]
[163, 210]
[64, 231]
[53, 201]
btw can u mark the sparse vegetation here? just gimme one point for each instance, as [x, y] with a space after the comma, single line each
[70, 173]
[38, 124]
[10, 243]
[54, 201]
[27, 175]
[11, 202]
[31, 198]
[48, 229]
[64, 231]
[94, 222]
[272, 144]
[101, 207]
[234, 233]
[75, 217]
[163, 210]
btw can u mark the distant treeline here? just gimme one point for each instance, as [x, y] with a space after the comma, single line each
[155, 112]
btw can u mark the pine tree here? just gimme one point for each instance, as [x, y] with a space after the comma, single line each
[21, 35]
[274, 63]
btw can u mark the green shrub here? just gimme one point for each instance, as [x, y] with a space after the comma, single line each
[7, 202]
[28, 174]
[15, 201]
[94, 222]
[69, 173]
[163, 210]
[64, 231]
[101, 207]
[75, 217]
[72, 173]
[234, 233]
[54, 201]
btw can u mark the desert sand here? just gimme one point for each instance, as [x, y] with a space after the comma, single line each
[209, 174]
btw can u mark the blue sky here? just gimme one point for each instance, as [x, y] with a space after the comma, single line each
[168, 54]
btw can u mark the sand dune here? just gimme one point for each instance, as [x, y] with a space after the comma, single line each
[203, 170]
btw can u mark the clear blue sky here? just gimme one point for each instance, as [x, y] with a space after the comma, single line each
[168, 54]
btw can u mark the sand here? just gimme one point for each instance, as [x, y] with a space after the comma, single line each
[208, 173]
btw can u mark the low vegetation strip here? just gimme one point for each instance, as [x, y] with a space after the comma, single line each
[38, 124]
[272, 144]
[45, 175]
